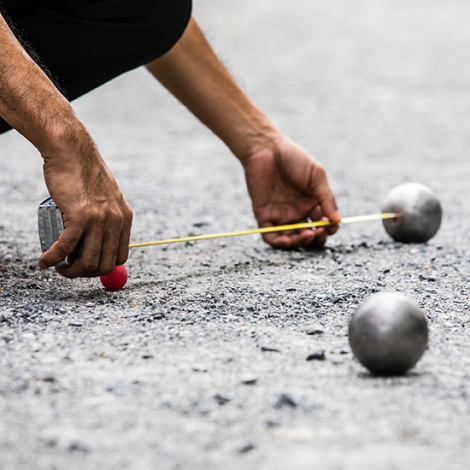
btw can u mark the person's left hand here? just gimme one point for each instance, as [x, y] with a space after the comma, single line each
[288, 186]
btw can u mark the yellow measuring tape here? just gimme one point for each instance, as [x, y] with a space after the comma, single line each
[277, 228]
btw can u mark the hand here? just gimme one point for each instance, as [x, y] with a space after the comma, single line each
[97, 219]
[287, 186]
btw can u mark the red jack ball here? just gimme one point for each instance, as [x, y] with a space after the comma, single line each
[116, 280]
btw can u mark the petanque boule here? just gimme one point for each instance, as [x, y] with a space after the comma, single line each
[388, 333]
[419, 210]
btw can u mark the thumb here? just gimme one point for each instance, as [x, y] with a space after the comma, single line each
[330, 209]
[327, 201]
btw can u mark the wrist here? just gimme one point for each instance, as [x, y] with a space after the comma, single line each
[68, 142]
[255, 135]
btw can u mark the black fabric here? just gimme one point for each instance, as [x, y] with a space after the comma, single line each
[85, 43]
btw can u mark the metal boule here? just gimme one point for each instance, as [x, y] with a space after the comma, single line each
[388, 333]
[420, 213]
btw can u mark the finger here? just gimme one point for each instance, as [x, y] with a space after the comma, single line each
[113, 241]
[330, 209]
[123, 249]
[321, 236]
[318, 214]
[92, 248]
[280, 240]
[109, 252]
[88, 261]
[291, 239]
[309, 238]
[63, 247]
[324, 195]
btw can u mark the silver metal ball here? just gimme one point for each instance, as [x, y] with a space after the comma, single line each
[420, 213]
[388, 333]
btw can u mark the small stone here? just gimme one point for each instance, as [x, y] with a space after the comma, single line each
[249, 379]
[268, 348]
[298, 399]
[8, 258]
[318, 355]
[284, 400]
[200, 368]
[49, 379]
[6, 316]
[314, 330]
[247, 448]
[222, 399]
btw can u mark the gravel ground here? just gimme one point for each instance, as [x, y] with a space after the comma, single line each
[201, 361]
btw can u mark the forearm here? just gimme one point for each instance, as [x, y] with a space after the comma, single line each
[30, 102]
[286, 185]
[192, 72]
[96, 216]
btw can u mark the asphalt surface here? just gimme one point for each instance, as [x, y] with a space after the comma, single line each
[201, 361]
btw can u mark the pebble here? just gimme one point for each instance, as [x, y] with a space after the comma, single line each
[222, 399]
[247, 448]
[298, 399]
[285, 400]
[268, 348]
[249, 379]
[314, 330]
[8, 258]
[318, 355]
[5, 315]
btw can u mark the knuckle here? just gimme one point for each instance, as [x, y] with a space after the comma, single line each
[91, 262]
[105, 270]
[317, 176]
[118, 217]
[66, 246]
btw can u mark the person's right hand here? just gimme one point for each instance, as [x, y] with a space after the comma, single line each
[288, 186]
[97, 219]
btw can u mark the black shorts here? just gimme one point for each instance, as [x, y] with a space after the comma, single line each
[85, 43]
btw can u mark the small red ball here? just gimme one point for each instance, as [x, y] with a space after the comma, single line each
[116, 280]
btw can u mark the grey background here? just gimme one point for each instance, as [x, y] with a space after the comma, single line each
[152, 376]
